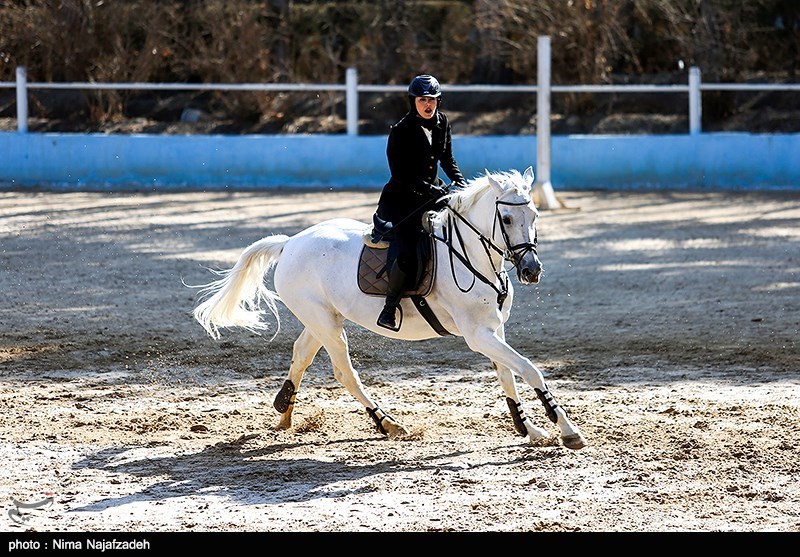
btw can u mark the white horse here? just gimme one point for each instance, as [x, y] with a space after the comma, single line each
[484, 228]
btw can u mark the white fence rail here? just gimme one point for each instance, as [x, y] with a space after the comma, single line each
[543, 89]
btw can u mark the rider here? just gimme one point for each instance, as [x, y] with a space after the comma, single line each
[417, 145]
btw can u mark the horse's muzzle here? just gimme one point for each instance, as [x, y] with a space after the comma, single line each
[529, 269]
[529, 276]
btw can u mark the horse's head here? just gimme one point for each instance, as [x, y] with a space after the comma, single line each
[514, 225]
[499, 207]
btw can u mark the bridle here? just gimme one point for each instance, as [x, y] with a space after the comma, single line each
[511, 253]
[517, 252]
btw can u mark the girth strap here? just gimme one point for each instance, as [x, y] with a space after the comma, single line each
[426, 312]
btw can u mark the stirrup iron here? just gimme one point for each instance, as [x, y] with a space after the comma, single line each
[398, 312]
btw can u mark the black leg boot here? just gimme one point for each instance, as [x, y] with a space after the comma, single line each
[397, 281]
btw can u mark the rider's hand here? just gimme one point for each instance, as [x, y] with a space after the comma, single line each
[438, 191]
[429, 190]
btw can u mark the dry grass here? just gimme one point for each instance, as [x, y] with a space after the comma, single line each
[479, 41]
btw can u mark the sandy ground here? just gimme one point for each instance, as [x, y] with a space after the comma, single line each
[666, 324]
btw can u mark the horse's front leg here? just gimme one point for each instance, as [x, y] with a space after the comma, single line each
[490, 344]
[522, 423]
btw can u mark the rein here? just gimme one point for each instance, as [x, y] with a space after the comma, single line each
[513, 254]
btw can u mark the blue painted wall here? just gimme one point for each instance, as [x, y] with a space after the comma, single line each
[100, 161]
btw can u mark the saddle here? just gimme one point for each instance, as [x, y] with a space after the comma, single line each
[373, 264]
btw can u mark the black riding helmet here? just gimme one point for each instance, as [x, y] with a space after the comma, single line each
[424, 86]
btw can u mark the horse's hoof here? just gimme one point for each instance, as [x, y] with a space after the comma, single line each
[575, 441]
[394, 429]
[285, 423]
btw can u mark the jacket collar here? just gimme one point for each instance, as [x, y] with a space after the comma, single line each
[437, 120]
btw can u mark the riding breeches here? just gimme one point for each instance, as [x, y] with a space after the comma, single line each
[406, 239]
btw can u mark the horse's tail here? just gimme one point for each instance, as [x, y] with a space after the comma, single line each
[235, 299]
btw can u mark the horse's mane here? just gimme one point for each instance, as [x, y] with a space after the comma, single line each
[465, 198]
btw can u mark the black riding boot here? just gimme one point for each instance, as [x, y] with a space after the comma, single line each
[397, 281]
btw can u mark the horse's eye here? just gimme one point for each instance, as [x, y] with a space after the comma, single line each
[506, 219]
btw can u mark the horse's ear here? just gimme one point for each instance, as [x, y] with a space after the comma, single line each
[527, 176]
[497, 186]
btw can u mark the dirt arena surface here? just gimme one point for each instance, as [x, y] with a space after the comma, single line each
[666, 323]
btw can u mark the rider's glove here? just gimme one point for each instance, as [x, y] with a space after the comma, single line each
[429, 190]
[455, 186]
[438, 191]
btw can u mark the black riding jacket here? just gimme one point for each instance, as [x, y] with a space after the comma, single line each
[414, 166]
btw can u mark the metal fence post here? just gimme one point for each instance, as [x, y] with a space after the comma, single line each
[547, 198]
[695, 101]
[351, 100]
[22, 99]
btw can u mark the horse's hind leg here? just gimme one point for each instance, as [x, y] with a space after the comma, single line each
[522, 423]
[334, 339]
[305, 349]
